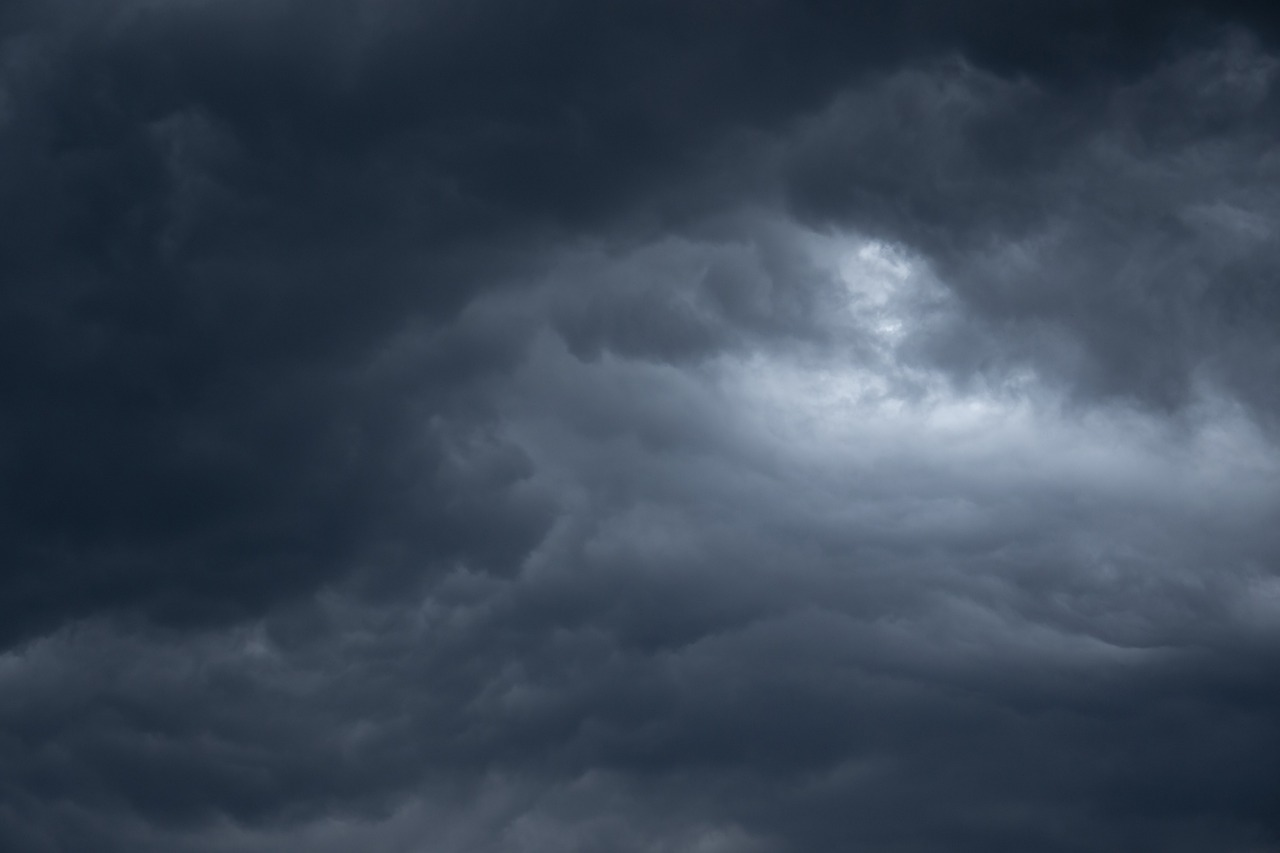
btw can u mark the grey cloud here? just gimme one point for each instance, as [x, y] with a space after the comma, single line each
[741, 428]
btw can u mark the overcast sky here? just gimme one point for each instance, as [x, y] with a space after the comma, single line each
[639, 426]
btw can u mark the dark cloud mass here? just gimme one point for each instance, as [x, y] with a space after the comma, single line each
[728, 427]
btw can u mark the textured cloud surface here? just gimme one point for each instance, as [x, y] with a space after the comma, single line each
[728, 427]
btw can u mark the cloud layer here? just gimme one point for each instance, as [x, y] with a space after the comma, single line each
[720, 427]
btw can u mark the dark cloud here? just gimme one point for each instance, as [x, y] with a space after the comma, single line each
[740, 427]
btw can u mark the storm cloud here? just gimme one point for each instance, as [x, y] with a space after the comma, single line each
[733, 427]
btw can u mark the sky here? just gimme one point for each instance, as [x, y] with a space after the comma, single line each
[639, 426]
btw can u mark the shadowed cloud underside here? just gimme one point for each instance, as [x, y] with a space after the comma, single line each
[728, 427]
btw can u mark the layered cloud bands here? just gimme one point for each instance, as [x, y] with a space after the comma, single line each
[617, 426]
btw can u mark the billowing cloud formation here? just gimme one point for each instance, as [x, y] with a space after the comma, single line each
[726, 427]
